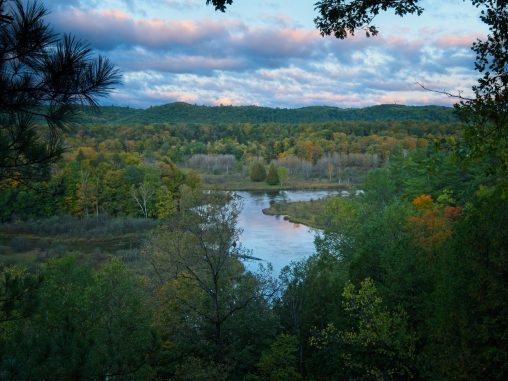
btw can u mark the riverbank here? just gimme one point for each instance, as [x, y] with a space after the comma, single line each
[236, 183]
[310, 213]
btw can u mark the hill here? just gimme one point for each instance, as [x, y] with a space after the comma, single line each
[186, 113]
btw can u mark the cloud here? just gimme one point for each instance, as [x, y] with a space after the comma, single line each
[323, 83]
[226, 61]
[275, 43]
[138, 59]
[456, 41]
[109, 29]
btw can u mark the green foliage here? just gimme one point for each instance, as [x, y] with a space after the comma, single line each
[272, 177]
[85, 325]
[279, 362]
[422, 256]
[470, 314]
[17, 295]
[257, 172]
[431, 300]
[209, 307]
[121, 333]
[486, 115]
[115, 187]
[309, 302]
[186, 113]
[166, 204]
[375, 343]
[379, 188]
[283, 174]
[343, 19]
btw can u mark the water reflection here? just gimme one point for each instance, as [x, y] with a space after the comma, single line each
[271, 238]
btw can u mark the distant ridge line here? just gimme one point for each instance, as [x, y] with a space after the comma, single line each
[180, 112]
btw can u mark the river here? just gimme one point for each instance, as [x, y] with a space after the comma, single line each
[271, 238]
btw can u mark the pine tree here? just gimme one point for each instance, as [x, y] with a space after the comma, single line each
[43, 79]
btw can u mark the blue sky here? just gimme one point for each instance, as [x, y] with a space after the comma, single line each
[268, 52]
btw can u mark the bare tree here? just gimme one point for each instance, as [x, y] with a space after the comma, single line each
[212, 163]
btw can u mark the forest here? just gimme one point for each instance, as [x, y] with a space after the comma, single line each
[121, 256]
[105, 166]
[181, 112]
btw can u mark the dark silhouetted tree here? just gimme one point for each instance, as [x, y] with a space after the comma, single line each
[43, 78]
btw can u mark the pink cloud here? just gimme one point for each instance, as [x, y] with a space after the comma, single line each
[223, 61]
[107, 13]
[456, 41]
[224, 101]
[110, 28]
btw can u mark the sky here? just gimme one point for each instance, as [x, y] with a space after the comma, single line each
[269, 53]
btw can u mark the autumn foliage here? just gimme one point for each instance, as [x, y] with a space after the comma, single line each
[452, 212]
[423, 202]
[431, 225]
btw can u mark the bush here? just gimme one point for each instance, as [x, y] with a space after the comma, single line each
[272, 178]
[257, 172]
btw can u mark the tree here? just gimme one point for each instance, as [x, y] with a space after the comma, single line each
[272, 178]
[121, 331]
[220, 5]
[308, 303]
[166, 204]
[430, 226]
[43, 78]
[486, 115]
[203, 286]
[470, 318]
[283, 175]
[343, 17]
[17, 289]
[376, 343]
[85, 325]
[257, 172]
[279, 362]
[143, 195]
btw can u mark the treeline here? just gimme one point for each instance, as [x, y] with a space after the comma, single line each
[270, 141]
[90, 183]
[340, 168]
[129, 170]
[180, 112]
[310, 142]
